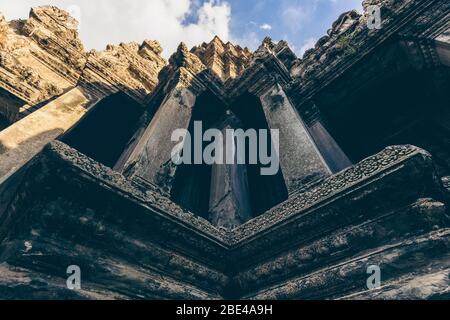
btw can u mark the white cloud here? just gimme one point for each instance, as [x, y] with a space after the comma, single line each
[113, 21]
[249, 39]
[307, 44]
[265, 26]
[294, 16]
[248, 36]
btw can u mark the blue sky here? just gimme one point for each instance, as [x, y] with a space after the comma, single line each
[245, 22]
[300, 22]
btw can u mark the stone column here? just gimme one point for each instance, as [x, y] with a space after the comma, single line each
[151, 158]
[229, 204]
[328, 147]
[20, 142]
[300, 159]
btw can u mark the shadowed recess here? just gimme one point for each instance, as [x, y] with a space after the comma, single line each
[104, 132]
[193, 183]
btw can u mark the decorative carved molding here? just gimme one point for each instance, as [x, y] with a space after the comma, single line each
[300, 202]
[151, 198]
[326, 189]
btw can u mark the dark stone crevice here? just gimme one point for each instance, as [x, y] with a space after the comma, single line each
[105, 131]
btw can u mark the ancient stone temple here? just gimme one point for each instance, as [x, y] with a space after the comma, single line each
[87, 177]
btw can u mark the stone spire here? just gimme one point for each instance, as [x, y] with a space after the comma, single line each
[183, 58]
[3, 29]
[132, 67]
[50, 18]
[151, 49]
[224, 59]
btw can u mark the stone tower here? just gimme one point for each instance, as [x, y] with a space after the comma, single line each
[87, 177]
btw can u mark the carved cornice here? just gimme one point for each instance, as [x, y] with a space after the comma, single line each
[422, 52]
[419, 36]
[430, 25]
[328, 188]
[295, 206]
[24, 81]
[150, 198]
[328, 227]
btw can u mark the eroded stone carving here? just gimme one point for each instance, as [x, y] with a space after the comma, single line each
[130, 67]
[40, 58]
[55, 31]
[3, 29]
[224, 59]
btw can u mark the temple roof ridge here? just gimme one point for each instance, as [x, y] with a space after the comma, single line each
[226, 60]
